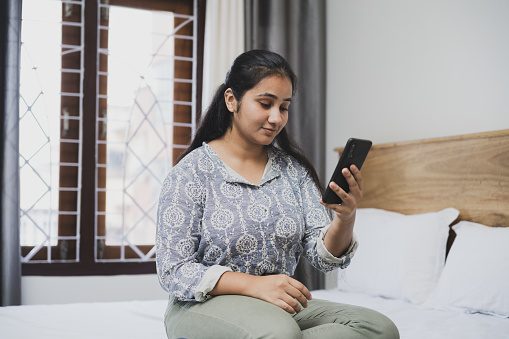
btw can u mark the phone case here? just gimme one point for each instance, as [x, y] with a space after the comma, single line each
[354, 153]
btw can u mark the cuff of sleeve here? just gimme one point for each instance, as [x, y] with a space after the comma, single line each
[209, 281]
[324, 253]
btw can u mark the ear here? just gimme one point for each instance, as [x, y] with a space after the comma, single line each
[230, 101]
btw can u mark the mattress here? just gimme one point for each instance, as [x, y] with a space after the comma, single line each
[419, 322]
[144, 319]
[112, 320]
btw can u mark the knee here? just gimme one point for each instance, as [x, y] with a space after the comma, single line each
[284, 332]
[281, 328]
[383, 327]
[372, 324]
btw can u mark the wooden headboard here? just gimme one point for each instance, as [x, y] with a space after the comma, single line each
[469, 172]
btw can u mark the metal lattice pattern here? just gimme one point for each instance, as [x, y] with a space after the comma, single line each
[136, 119]
[44, 122]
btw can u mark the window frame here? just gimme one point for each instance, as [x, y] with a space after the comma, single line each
[87, 264]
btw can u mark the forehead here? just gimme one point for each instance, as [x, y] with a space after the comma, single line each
[275, 84]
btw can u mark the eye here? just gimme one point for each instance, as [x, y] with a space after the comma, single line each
[284, 109]
[265, 105]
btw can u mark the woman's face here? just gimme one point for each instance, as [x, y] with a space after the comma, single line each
[263, 110]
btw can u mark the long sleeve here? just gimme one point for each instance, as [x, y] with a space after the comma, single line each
[211, 220]
[318, 219]
[179, 219]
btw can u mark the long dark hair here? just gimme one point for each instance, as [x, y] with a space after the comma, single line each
[247, 71]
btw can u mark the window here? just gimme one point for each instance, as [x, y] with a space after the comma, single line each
[108, 101]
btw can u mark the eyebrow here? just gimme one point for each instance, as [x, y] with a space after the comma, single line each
[272, 96]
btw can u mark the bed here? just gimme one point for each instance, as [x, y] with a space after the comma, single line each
[108, 320]
[423, 200]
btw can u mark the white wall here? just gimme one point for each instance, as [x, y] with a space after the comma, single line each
[407, 69]
[62, 290]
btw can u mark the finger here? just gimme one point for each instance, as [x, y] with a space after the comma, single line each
[343, 210]
[284, 306]
[358, 176]
[338, 208]
[300, 286]
[350, 179]
[352, 182]
[292, 302]
[297, 294]
[339, 192]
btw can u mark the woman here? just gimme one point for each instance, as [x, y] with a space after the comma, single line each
[237, 212]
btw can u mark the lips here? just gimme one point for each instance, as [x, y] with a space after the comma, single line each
[270, 130]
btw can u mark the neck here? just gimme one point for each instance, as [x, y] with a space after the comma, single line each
[240, 148]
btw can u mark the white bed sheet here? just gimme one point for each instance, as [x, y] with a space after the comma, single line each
[419, 322]
[144, 319]
[112, 320]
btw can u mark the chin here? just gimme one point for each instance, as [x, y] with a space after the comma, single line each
[268, 140]
[264, 139]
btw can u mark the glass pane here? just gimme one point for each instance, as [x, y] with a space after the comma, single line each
[135, 130]
[39, 125]
[46, 116]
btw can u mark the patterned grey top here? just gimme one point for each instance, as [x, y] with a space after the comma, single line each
[211, 220]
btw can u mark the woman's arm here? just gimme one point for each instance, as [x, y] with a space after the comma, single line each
[339, 235]
[280, 290]
[179, 216]
[340, 246]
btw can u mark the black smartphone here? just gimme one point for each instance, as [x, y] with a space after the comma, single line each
[354, 153]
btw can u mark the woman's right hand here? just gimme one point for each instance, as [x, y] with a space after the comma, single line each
[282, 291]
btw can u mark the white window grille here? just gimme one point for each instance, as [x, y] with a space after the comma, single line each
[145, 116]
[135, 124]
[44, 122]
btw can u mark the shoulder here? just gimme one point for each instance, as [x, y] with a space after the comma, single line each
[187, 168]
[294, 170]
[185, 177]
[287, 163]
[190, 160]
[195, 164]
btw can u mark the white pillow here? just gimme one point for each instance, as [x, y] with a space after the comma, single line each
[476, 274]
[399, 256]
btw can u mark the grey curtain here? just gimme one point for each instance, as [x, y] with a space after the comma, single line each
[296, 30]
[10, 266]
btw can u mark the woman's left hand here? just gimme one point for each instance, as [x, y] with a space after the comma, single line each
[345, 211]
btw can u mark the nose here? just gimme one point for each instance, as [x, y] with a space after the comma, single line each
[275, 116]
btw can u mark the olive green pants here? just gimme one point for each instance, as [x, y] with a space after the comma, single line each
[239, 317]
